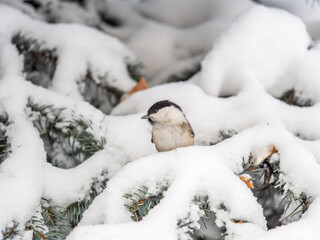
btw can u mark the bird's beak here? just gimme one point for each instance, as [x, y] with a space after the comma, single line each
[145, 117]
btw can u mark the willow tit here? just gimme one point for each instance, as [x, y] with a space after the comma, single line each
[170, 127]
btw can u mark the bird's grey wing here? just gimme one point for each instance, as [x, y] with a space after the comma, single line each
[187, 127]
[191, 131]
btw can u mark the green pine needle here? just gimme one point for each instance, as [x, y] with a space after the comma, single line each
[5, 146]
[68, 142]
[10, 232]
[39, 62]
[141, 202]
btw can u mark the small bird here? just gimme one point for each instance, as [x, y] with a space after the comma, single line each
[170, 127]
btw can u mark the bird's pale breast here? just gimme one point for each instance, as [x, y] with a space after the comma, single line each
[169, 137]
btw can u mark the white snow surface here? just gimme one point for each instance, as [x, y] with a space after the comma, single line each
[204, 169]
[78, 47]
[308, 11]
[248, 51]
[261, 54]
[173, 37]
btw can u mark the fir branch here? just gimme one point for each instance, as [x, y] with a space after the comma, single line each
[265, 177]
[10, 232]
[204, 205]
[141, 201]
[190, 225]
[291, 97]
[56, 222]
[37, 228]
[34, 3]
[5, 146]
[266, 170]
[186, 74]
[270, 173]
[109, 19]
[67, 142]
[224, 134]
[74, 211]
[39, 62]
[98, 93]
[51, 225]
[289, 198]
[247, 163]
[270, 185]
[134, 69]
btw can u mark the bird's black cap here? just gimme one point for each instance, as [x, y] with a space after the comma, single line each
[161, 104]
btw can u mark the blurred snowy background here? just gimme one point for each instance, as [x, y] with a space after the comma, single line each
[76, 160]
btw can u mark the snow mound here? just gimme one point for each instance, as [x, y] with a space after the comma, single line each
[79, 49]
[198, 170]
[26, 177]
[249, 53]
[308, 11]
[259, 118]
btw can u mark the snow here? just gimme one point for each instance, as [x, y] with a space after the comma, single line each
[26, 176]
[177, 37]
[21, 174]
[180, 165]
[308, 11]
[189, 173]
[224, 74]
[308, 71]
[103, 55]
[255, 58]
